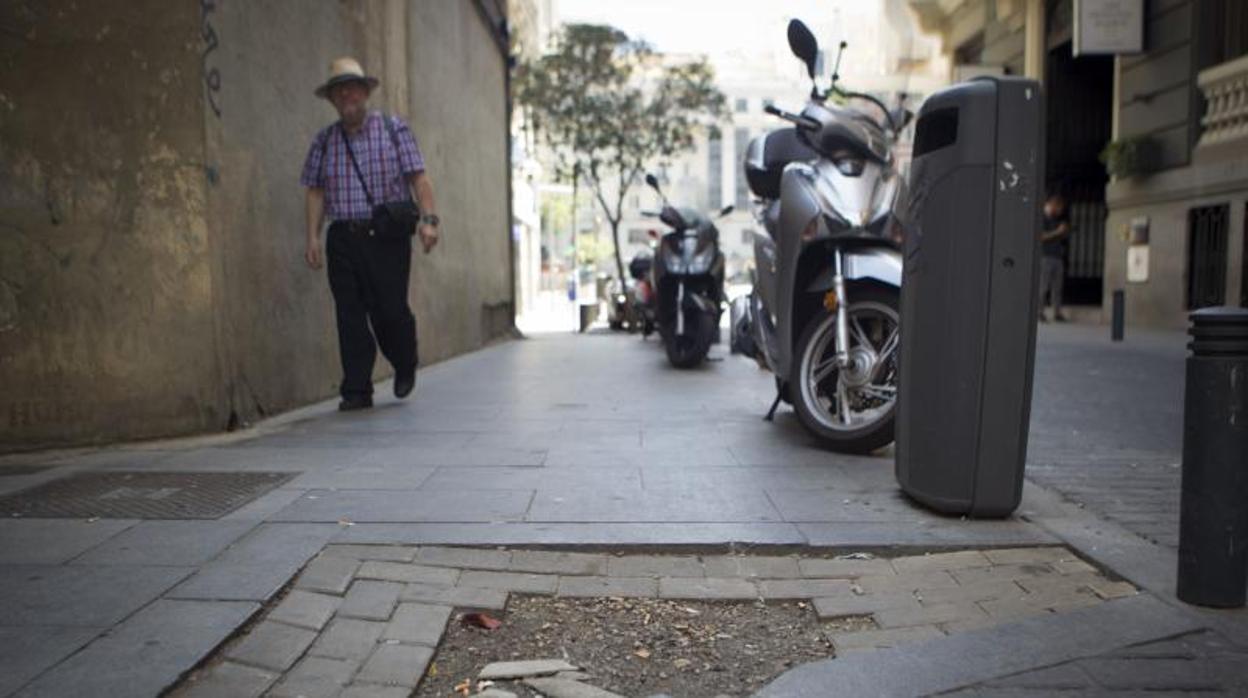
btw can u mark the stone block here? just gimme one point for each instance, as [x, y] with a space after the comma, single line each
[499, 671]
[547, 562]
[1037, 555]
[406, 572]
[854, 605]
[328, 574]
[563, 688]
[417, 623]
[928, 615]
[510, 581]
[608, 586]
[802, 588]
[396, 665]
[465, 558]
[910, 581]
[229, 680]
[388, 553]
[752, 566]
[270, 645]
[315, 677]
[369, 690]
[876, 639]
[845, 569]
[370, 600]
[655, 566]
[456, 596]
[306, 609]
[708, 588]
[962, 559]
[348, 638]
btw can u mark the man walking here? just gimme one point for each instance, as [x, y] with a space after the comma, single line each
[1053, 251]
[366, 159]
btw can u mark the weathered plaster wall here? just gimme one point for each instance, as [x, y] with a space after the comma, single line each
[151, 222]
[105, 280]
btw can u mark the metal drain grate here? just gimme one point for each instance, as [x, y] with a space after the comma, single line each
[140, 495]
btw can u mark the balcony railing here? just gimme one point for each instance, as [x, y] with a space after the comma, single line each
[1225, 87]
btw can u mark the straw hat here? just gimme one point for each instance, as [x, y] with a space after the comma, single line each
[342, 70]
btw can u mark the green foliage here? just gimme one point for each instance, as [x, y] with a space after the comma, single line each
[1126, 157]
[608, 107]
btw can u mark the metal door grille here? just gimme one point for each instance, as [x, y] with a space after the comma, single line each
[1206, 255]
[1243, 260]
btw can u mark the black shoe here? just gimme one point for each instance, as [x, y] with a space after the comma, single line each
[404, 382]
[359, 402]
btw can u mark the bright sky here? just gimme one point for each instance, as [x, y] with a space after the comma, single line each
[695, 26]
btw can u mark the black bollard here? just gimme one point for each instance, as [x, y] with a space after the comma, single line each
[1213, 518]
[1119, 317]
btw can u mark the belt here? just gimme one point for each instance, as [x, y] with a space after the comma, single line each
[355, 226]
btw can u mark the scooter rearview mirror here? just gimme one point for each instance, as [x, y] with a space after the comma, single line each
[726, 210]
[803, 45]
[653, 182]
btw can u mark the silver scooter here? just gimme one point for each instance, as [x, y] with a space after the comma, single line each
[823, 314]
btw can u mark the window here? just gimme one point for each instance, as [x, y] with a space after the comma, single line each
[743, 105]
[714, 172]
[741, 142]
[1222, 33]
[1206, 256]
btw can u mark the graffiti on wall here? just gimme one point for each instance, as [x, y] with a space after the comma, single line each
[212, 75]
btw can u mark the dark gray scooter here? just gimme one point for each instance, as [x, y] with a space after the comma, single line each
[823, 315]
[687, 283]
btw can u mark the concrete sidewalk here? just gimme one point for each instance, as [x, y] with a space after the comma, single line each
[588, 440]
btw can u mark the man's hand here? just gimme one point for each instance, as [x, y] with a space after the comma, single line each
[428, 236]
[313, 255]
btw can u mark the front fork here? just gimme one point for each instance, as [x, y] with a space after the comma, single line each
[842, 310]
[680, 310]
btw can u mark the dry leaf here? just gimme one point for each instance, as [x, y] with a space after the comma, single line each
[482, 620]
[643, 653]
[463, 687]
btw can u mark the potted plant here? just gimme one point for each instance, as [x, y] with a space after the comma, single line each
[1127, 157]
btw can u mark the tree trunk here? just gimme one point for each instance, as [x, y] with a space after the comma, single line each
[619, 260]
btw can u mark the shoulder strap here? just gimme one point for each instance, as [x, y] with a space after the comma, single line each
[351, 153]
[398, 152]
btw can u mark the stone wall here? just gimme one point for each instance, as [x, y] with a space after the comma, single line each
[151, 221]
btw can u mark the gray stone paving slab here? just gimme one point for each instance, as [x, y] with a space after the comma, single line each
[1060, 677]
[883, 638]
[146, 653]
[706, 588]
[608, 586]
[167, 543]
[370, 600]
[407, 572]
[80, 595]
[826, 476]
[455, 456]
[853, 604]
[801, 588]
[937, 532]
[53, 541]
[255, 581]
[751, 566]
[271, 645]
[847, 569]
[399, 665]
[273, 542]
[547, 562]
[315, 677]
[417, 623]
[456, 596]
[575, 534]
[28, 651]
[962, 559]
[328, 573]
[564, 688]
[655, 566]
[668, 506]
[390, 553]
[306, 609]
[464, 557]
[363, 477]
[528, 479]
[266, 506]
[582, 457]
[229, 680]
[365, 690]
[407, 506]
[522, 582]
[830, 505]
[348, 638]
[498, 671]
[970, 658]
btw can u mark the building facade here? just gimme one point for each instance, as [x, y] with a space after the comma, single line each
[1168, 228]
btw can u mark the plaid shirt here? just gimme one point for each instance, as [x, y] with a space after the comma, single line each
[381, 165]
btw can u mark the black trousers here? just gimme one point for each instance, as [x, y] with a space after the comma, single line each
[368, 275]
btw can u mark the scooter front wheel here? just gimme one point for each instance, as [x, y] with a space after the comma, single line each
[690, 349]
[851, 409]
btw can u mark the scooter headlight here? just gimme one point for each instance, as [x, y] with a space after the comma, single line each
[702, 261]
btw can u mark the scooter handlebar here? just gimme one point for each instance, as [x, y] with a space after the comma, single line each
[802, 121]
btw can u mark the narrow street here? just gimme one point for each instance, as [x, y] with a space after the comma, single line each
[566, 440]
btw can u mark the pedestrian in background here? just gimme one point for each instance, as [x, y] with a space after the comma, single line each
[1053, 243]
[364, 160]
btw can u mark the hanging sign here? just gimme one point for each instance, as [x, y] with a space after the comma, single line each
[1108, 27]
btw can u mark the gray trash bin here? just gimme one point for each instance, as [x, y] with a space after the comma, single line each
[968, 303]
